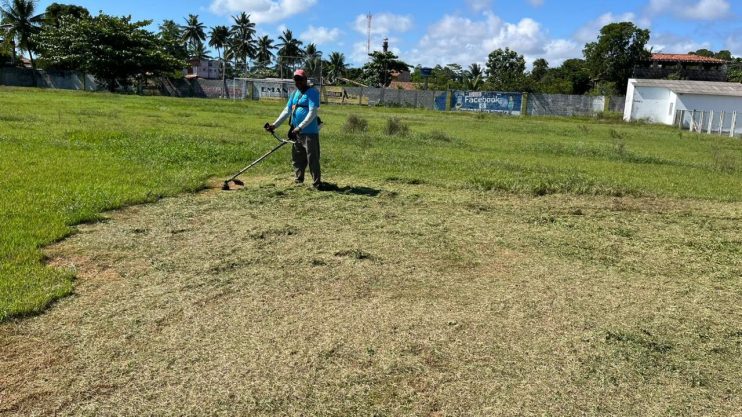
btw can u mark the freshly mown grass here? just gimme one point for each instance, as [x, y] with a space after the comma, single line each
[65, 157]
[390, 299]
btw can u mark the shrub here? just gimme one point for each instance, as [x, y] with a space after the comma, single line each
[355, 124]
[396, 127]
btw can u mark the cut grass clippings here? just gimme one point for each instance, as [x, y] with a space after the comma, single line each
[413, 299]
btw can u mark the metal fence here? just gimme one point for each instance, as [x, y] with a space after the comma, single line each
[722, 123]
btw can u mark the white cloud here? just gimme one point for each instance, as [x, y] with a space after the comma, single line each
[590, 31]
[262, 11]
[465, 41]
[383, 24]
[673, 44]
[691, 9]
[359, 54]
[734, 44]
[320, 35]
[479, 5]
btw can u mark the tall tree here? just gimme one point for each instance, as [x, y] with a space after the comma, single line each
[335, 67]
[735, 71]
[198, 53]
[265, 51]
[242, 38]
[475, 70]
[290, 52]
[377, 71]
[171, 37]
[723, 54]
[194, 32]
[312, 58]
[114, 50]
[703, 52]
[473, 77]
[6, 48]
[55, 11]
[22, 24]
[506, 70]
[612, 58]
[540, 67]
[218, 38]
[577, 73]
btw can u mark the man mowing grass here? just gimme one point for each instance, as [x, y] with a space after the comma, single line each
[301, 110]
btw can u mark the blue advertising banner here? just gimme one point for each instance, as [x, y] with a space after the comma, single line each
[440, 100]
[487, 101]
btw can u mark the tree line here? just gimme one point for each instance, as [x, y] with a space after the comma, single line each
[119, 51]
[605, 68]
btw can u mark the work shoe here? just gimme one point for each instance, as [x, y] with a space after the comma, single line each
[299, 181]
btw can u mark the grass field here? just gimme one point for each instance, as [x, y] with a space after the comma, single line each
[473, 266]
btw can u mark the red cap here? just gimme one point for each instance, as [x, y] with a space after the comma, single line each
[300, 73]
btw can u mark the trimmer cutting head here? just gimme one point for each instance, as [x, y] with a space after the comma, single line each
[281, 143]
[236, 182]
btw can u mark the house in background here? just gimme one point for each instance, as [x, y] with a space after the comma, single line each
[682, 67]
[209, 69]
[402, 80]
[672, 102]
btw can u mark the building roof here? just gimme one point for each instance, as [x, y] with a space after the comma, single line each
[710, 88]
[403, 85]
[690, 58]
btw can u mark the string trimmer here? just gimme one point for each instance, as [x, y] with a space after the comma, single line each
[283, 142]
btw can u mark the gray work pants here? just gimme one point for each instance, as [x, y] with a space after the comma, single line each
[306, 152]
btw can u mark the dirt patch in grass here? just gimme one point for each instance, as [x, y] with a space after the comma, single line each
[409, 300]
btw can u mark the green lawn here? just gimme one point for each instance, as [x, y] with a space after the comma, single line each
[475, 265]
[65, 157]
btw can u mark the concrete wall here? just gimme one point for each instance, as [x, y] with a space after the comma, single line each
[616, 104]
[564, 105]
[65, 80]
[653, 104]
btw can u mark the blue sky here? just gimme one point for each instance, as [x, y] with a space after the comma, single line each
[464, 31]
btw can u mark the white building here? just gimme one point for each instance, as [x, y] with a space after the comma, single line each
[209, 69]
[662, 101]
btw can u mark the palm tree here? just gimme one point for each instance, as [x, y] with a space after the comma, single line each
[242, 36]
[169, 27]
[194, 32]
[289, 52]
[336, 66]
[265, 54]
[218, 38]
[473, 77]
[312, 58]
[243, 24]
[21, 23]
[198, 53]
[172, 36]
[475, 70]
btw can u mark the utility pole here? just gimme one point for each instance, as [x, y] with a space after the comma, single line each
[369, 17]
[385, 48]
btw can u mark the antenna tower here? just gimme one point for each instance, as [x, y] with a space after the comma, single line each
[369, 17]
